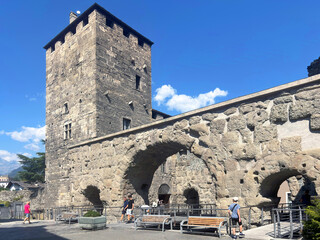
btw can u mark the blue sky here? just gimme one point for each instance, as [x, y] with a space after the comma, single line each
[237, 46]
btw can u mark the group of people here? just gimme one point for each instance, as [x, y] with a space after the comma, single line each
[127, 209]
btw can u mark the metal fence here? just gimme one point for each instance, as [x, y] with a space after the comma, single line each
[288, 221]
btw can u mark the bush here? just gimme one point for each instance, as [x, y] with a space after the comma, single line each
[5, 203]
[92, 213]
[4, 189]
[311, 228]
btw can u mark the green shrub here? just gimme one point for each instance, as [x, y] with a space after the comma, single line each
[311, 228]
[92, 213]
[4, 189]
[5, 203]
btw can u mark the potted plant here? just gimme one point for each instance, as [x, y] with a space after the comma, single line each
[92, 220]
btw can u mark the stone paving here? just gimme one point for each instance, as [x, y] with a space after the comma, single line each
[48, 230]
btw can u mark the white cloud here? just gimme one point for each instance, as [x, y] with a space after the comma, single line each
[182, 103]
[27, 134]
[32, 147]
[164, 92]
[30, 135]
[7, 156]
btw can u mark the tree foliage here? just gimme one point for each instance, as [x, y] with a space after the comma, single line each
[311, 229]
[33, 168]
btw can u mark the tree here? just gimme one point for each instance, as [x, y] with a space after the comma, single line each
[33, 168]
[311, 228]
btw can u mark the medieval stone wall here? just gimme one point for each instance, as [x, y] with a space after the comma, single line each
[248, 147]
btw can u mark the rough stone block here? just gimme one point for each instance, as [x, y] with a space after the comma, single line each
[199, 129]
[256, 118]
[300, 110]
[265, 133]
[209, 116]
[237, 123]
[315, 122]
[246, 108]
[279, 113]
[230, 111]
[283, 99]
[217, 126]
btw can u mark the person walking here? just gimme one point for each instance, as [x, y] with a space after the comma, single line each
[27, 212]
[130, 208]
[234, 213]
[125, 204]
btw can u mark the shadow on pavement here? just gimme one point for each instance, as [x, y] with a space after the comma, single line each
[27, 231]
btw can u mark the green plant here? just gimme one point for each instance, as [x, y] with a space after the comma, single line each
[311, 228]
[5, 203]
[92, 213]
[18, 198]
[3, 189]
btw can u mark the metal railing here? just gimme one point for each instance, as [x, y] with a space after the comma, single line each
[288, 220]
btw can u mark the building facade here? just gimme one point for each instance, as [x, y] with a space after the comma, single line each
[102, 131]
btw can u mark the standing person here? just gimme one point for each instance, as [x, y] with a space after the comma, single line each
[124, 208]
[306, 198]
[234, 212]
[130, 207]
[27, 211]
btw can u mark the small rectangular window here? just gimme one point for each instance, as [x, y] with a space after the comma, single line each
[126, 123]
[53, 47]
[138, 82]
[66, 109]
[126, 32]
[109, 23]
[140, 42]
[67, 131]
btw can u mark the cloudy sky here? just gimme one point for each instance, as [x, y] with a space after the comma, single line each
[205, 52]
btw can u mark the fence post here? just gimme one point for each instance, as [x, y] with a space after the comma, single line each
[274, 223]
[261, 219]
[278, 224]
[291, 227]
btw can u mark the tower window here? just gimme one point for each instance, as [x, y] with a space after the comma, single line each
[140, 42]
[138, 82]
[126, 33]
[66, 109]
[67, 131]
[126, 123]
[109, 23]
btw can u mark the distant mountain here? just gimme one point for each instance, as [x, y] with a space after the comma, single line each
[14, 172]
[6, 167]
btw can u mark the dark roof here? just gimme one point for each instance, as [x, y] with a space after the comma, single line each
[85, 14]
[161, 113]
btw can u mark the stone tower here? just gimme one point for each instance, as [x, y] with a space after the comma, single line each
[98, 81]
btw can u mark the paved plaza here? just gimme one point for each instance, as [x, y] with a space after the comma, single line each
[15, 230]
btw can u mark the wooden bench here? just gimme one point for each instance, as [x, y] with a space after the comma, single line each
[204, 222]
[152, 220]
[67, 217]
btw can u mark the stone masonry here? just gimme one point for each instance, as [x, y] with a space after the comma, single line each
[244, 147]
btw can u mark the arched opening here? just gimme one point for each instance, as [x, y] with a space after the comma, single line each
[192, 197]
[286, 187]
[164, 195]
[139, 175]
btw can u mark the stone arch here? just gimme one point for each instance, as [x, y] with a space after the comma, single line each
[139, 174]
[282, 168]
[164, 193]
[192, 196]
